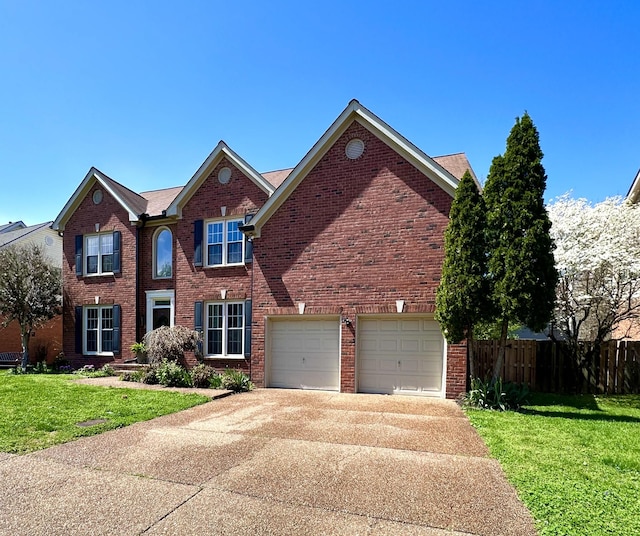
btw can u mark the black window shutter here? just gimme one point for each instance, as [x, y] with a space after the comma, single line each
[78, 329]
[117, 315]
[197, 242]
[197, 323]
[116, 252]
[79, 241]
[247, 328]
[248, 243]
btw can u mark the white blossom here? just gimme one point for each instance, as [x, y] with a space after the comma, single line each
[598, 258]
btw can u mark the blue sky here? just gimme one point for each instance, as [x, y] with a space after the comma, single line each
[145, 90]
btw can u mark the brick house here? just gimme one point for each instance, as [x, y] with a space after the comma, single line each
[46, 341]
[322, 276]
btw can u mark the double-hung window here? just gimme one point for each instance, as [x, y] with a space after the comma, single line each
[225, 242]
[98, 330]
[225, 329]
[98, 253]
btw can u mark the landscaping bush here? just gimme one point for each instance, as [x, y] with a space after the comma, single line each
[201, 375]
[170, 343]
[132, 376]
[149, 375]
[236, 380]
[501, 396]
[171, 374]
[215, 382]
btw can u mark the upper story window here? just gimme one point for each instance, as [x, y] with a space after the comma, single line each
[163, 254]
[98, 254]
[225, 242]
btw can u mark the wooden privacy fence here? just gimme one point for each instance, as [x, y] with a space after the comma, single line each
[546, 366]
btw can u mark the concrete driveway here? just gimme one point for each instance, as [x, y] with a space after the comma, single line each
[270, 462]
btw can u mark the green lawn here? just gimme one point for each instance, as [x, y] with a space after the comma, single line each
[575, 461]
[41, 410]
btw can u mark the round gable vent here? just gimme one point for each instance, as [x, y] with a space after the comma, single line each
[224, 175]
[354, 149]
[97, 197]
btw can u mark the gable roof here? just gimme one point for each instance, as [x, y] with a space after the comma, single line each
[277, 177]
[6, 227]
[353, 112]
[456, 164]
[8, 238]
[634, 192]
[130, 201]
[221, 151]
[159, 200]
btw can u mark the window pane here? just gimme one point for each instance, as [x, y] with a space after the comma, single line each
[214, 346]
[234, 242]
[163, 254]
[234, 341]
[234, 252]
[233, 233]
[214, 254]
[214, 329]
[107, 263]
[91, 329]
[92, 245]
[92, 318]
[234, 315]
[92, 264]
[92, 341]
[214, 233]
[235, 318]
[106, 244]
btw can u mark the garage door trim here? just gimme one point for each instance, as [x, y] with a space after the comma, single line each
[400, 316]
[270, 320]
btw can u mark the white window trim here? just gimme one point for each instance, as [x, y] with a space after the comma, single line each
[85, 325]
[152, 296]
[85, 255]
[224, 222]
[154, 247]
[224, 329]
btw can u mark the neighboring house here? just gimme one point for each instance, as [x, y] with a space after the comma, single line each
[630, 329]
[322, 276]
[47, 341]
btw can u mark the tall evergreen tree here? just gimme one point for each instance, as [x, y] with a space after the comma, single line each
[521, 265]
[462, 297]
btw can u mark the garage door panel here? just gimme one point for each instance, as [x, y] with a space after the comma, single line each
[304, 354]
[404, 356]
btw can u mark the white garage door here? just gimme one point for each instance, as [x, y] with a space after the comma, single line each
[400, 355]
[304, 354]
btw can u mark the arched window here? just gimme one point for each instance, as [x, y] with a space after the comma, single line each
[163, 254]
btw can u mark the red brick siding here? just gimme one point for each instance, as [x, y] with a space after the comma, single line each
[240, 196]
[354, 235]
[47, 338]
[112, 289]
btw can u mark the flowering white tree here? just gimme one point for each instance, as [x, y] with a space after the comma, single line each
[598, 259]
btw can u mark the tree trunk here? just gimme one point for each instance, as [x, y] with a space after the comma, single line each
[497, 368]
[24, 338]
[471, 353]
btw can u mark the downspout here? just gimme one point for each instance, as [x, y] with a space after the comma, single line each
[143, 218]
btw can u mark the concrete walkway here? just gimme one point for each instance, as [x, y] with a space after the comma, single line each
[270, 462]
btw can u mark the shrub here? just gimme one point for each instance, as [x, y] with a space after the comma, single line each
[215, 382]
[149, 375]
[236, 380]
[171, 374]
[170, 343]
[132, 376]
[201, 375]
[499, 395]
